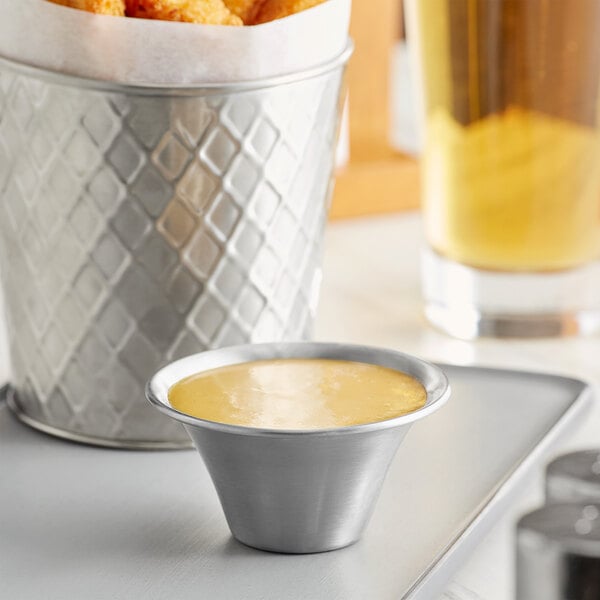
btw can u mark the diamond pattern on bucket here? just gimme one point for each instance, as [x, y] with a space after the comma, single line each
[135, 229]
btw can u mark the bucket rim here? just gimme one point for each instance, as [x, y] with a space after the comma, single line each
[197, 89]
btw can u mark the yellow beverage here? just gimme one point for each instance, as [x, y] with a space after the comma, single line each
[298, 394]
[512, 161]
[515, 191]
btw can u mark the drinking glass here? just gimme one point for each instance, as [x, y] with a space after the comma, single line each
[511, 170]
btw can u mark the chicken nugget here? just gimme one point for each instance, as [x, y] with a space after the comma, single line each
[101, 7]
[209, 12]
[277, 9]
[244, 9]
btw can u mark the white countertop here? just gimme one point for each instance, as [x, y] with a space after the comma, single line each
[371, 296]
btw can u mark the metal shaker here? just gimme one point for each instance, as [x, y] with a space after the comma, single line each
[558, 547]
[558, 553]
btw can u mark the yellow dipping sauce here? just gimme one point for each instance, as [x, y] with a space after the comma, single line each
[298, 394]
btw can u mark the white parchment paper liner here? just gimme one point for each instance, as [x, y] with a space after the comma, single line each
[144, 52]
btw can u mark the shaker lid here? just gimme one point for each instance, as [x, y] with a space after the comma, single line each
[583, 465]
[574, 477]
[574, 528]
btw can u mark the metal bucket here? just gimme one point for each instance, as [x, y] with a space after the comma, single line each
[139, 225]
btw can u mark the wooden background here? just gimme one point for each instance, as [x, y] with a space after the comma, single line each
[377, 179]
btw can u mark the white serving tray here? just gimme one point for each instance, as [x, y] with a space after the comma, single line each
[82, 522]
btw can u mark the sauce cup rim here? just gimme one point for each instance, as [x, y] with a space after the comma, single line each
[429, 375]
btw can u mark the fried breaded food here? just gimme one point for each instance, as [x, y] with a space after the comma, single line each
[101, 7]
[277, 9]
[208, 12]
[246, 10]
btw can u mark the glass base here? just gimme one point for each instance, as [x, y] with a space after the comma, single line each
[468, 303]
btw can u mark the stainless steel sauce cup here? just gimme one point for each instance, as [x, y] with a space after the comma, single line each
[298, 491]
